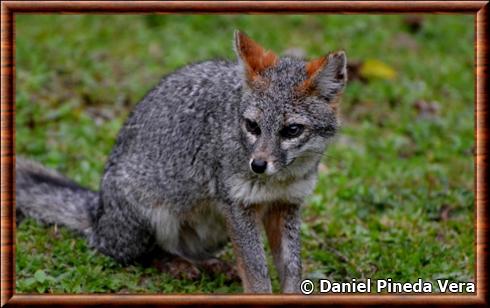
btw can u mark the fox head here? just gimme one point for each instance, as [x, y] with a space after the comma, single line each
[288, 110]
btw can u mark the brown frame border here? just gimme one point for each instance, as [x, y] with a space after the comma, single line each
[10, 8]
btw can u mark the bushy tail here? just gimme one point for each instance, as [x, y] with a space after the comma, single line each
[51, 198]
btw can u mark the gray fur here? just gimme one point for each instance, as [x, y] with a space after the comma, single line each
[179, 176]
[50, 197]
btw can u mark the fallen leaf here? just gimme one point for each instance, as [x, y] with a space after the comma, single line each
[376, 69]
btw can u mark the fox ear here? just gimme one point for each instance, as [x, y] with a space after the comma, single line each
[326, 75]
[253, 57]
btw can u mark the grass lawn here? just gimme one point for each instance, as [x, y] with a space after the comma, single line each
[395, 196]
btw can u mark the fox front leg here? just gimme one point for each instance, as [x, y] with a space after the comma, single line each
[282, 224]
[244, 230]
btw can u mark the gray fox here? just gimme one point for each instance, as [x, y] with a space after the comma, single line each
[216, 150]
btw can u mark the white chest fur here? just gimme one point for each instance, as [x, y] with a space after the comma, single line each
[251, 192]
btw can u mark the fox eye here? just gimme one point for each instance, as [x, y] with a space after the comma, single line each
[292, 131]
[252, 127]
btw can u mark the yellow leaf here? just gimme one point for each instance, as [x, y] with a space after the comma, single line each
[372, 69]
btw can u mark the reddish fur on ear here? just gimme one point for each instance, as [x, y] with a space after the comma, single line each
[255, 58]
[313, 67]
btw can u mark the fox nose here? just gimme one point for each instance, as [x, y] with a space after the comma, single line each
[258, 165]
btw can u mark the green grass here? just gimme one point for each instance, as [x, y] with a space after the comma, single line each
[395, 196]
